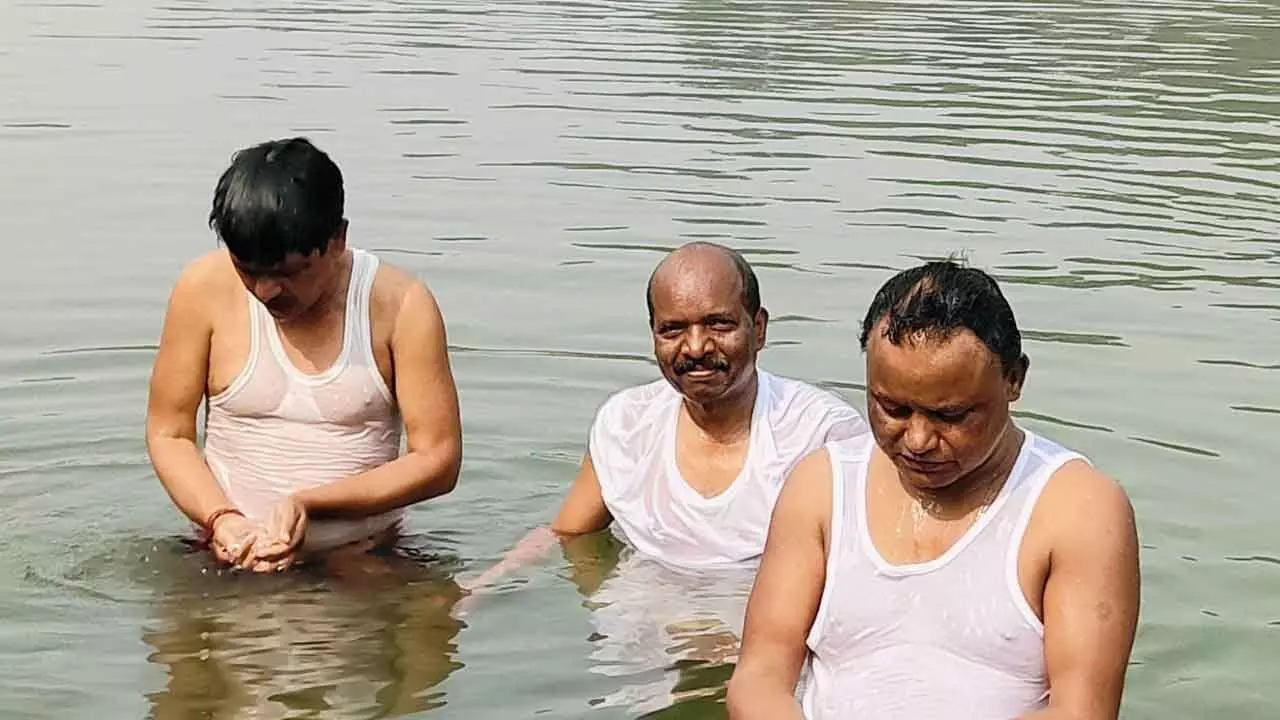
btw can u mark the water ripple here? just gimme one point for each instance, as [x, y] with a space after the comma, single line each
[1112, 163]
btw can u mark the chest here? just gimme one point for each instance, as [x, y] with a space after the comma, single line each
[709, 468]
[963, 608]
[308, 351]
[903, 532]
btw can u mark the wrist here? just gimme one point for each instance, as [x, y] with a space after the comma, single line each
[211, 522]
[300, 498]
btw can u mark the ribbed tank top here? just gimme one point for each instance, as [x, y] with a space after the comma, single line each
[276, 430]
[953, 637]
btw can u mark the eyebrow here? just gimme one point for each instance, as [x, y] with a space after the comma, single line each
[952, 409]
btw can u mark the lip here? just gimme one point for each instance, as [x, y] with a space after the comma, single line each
[921, 466]
[702, 374]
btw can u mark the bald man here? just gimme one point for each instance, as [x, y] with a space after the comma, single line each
[689, 466]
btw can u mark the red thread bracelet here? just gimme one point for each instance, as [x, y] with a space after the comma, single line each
[216, 514]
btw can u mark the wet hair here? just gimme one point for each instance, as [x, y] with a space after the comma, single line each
[750, 284]
[940, 298]
[277, 198]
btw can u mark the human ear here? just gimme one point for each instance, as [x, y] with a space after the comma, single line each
[1016, 377]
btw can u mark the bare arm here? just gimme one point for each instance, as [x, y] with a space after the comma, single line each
[428, 400]
[583, 511]
[784, 600]
[178, 381]
[1091, 597]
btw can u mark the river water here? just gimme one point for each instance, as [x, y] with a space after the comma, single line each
[1114, 163]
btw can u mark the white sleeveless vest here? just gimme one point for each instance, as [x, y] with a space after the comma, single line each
[276, 430]
[950, 638]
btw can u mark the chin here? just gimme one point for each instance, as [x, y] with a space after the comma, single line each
[703, 394]
[927, 481]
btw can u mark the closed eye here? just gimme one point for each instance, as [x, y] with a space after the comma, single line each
[952, 416]
[893, 410]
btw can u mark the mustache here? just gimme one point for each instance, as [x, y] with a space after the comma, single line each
[710, 362]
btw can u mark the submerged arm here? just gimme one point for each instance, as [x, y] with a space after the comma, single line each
[582, 512]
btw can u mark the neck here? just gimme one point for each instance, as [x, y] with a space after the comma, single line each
[728, 419]
[333, 299]
[978, 487]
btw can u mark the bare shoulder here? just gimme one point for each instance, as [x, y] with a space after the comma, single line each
[202, 286]
[399, 295]
[211, 271]
[1083, 506]
[806, 494]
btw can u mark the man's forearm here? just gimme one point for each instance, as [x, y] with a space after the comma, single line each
[752, 697]
[533, 546]
[186, 477]
[409, 479]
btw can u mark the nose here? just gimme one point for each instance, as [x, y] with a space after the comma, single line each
[920, 439]
[697, 342]
[266, 289]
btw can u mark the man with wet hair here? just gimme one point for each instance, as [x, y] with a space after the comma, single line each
[313, 358]
[689, 466]
[952, 564]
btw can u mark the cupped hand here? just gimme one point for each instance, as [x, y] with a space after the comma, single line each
[234, 539]
[284, 533]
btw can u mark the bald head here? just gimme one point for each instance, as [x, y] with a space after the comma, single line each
[706, 264]
[707, 323]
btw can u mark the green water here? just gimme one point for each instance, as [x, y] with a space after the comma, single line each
[1114, 163]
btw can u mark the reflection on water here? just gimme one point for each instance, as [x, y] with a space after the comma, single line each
[660, 632]
[1112, 162]
[370, 637]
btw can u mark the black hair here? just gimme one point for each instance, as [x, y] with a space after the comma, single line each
[750, 284]
[276, 198]
[941, 297]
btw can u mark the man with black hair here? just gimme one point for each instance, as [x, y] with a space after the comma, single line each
[312, 358]
[953, 564]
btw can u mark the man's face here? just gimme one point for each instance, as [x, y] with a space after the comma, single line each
[938, 407]
[703, 338]
[291, 289]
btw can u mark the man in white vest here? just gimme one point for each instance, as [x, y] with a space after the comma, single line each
[951, 564]
[689, 465]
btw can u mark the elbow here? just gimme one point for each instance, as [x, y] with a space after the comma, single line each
[738, 697]
[560, 528]
[157, 439]
[444, 466]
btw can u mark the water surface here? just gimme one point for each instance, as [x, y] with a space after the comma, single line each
[1114, 163]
